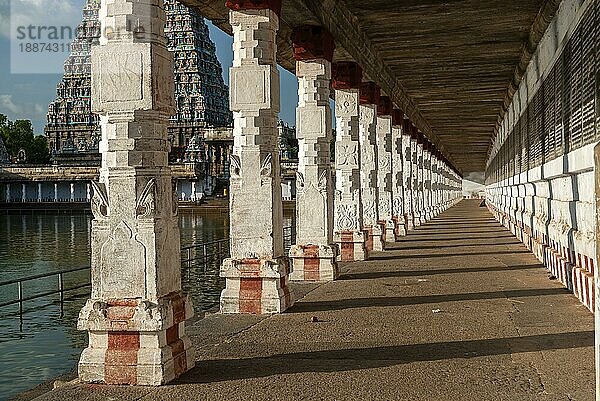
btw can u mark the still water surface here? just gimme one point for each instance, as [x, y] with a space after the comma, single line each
[45, 342]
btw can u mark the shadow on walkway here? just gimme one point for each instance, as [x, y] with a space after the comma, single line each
[418, 300]
[442, 255]
[372, 357]
[422, 273]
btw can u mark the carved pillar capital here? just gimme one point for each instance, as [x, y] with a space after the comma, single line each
[346, 75]
[311, 42]
[243, 5]
[369, 93]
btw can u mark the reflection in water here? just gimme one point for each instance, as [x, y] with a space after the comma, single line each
[49, 343]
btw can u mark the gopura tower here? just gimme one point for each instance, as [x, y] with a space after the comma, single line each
[70, 120]
[201, 96]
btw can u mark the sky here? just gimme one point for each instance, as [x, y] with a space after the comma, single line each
[26, 96]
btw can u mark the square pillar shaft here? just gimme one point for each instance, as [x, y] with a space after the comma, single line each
[369, 176]
[427, 183]
[314, 255]
[398, 182]
[257, 272]
[136, 314]
[416, 210]
[420, 184]
[384, 176]
[407, 170]
[348, 217]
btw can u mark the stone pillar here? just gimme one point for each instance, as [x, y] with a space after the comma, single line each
[348, 216]
[257, 272]
[23, 192]
[72, 192]
[39, 192]
[55, 192]
[427, 180]
[407, 170]
[397, 175]
[8, 194]
[369, 98]
[434, 183]
[420, 180]
[136, 314]
[314, 256]
[416, 211]
[384, 168]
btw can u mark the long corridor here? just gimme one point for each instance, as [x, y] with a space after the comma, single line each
[458, 310]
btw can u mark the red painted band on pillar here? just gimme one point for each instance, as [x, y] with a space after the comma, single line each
[346, 75]
[311, 42]
[240, 5]
[384, 107]
[369, 93]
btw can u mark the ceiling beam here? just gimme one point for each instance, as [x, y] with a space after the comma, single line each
[343, 25]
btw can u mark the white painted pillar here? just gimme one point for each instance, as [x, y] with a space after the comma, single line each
[56, 192]
[88, 192]
[39, 192]
[257, 272]
[407, 171]
[23, 193]
[72, 188]
[136, 313]
[397, 174]
[421, 180]
[384, 168]
[427, 180]
[193, 194]
[415, 179]
[369, 97]
[435, 183]
[348, 216]
[314, 255]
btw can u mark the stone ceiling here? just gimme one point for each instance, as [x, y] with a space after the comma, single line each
[450, 65]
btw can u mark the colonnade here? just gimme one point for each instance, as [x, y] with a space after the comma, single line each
[388, 179]
[45, 191]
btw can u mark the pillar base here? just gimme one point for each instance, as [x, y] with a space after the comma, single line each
[256, 286]
[352, 245]
[135, 342]
[374, 238]
[389, 230]
[314, 262]
[399, 227]
[416, 220]
[409, 219]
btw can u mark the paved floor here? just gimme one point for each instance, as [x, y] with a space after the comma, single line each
[458, 310]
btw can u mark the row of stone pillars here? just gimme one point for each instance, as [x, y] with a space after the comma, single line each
[388, 179]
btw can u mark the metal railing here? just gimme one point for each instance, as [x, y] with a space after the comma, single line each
[61, 289]
[192, 256]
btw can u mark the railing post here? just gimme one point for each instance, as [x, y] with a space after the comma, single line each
[61, 288]
[20, 295]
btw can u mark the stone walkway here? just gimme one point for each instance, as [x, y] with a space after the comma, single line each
[458, 310]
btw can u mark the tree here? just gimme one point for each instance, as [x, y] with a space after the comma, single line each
[18, 135]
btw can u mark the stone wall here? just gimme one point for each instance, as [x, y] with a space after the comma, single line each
[540, 174]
